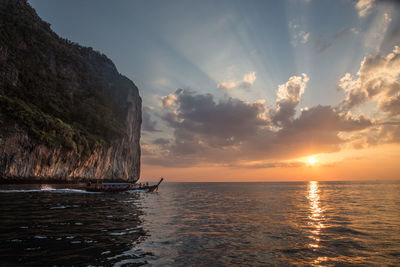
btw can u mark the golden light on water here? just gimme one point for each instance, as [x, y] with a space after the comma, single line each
[316, 216]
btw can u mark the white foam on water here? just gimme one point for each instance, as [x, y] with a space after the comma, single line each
[20, 191]
[29, 249]
[58, 207]
[46, 187]
[137, 191]
[48, 190]
[117, 233]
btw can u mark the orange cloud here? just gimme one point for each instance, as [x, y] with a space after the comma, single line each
[364, 6]
[245, 83]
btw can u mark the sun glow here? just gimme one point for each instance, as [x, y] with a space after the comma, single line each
[312, 160]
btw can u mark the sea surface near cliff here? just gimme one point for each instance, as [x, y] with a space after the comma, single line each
[203, 224]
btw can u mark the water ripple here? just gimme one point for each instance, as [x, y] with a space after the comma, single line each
[200, 224]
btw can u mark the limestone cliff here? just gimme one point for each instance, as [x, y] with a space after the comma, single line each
[65, 111]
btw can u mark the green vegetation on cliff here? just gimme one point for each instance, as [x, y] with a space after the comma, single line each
[61, 93]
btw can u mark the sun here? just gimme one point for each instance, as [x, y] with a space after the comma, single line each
[312, 160]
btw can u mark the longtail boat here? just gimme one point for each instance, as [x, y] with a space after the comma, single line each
[120, 186]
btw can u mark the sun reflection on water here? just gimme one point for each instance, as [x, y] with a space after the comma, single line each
[316, 217]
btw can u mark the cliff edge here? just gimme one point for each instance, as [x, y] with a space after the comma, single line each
[65, 111]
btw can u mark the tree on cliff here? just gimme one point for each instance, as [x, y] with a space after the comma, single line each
[62, 97]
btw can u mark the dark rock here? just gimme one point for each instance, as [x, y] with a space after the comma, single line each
[65, 111]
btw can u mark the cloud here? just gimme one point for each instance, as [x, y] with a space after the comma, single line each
[221, 123]
[317, 130]
[145, 150]
[345, 32]
[364, 7]
[288, 97]
[161, 141]
[382, 133]
[298, 35]
[231, 132]
[327, 118]
[390, 105]
[236, 133]
[377, 79]
[168, 101]
[250, 77]
[305, 37]
[322, 45]
[269, 165]
[147, 123]
[389, 134]
[245, 83]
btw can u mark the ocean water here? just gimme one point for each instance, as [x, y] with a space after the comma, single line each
[203, 224]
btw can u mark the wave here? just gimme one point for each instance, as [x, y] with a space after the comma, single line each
[137, 191]
[344, 230]
[52, 190]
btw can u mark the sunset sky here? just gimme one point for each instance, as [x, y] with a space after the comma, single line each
[253, 90]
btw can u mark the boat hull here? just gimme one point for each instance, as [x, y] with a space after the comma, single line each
[115, 187]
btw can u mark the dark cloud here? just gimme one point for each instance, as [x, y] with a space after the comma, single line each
[221, 123]
[316, 130]
[235, 133]
[322, 47]
[321, 44]
[161, 141]
[270, 165]
[231, 131]
[390, 134]
[344, 33]
[326, 118]
[391, 105]
[382, 134]
[147, 123]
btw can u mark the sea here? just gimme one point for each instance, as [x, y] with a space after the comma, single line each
[203, 224]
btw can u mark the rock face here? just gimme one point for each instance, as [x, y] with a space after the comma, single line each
[21, 156]
[65, 111]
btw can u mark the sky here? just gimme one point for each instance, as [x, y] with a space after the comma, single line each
[253, 90]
